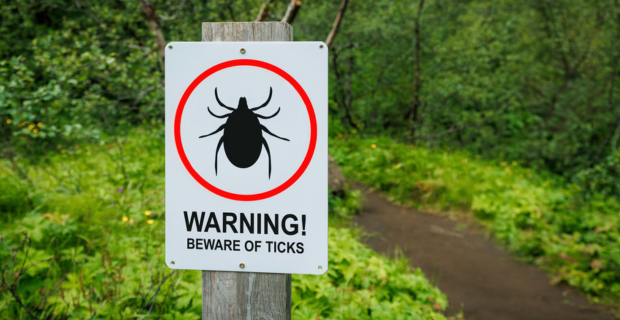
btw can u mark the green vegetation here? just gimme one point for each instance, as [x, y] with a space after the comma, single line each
[563, 228]
[521, 83]
[533, 81]
[83, 232]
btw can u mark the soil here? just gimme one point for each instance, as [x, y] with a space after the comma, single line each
[478, 276]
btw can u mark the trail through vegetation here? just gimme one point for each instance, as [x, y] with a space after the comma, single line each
[480, 279]
[542, 219]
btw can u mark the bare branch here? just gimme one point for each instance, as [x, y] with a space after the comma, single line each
[11, 284]
[334, 32]
[151, 301]
[262, 14]
[291, 11]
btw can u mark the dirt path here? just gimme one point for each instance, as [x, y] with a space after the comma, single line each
[477, 276]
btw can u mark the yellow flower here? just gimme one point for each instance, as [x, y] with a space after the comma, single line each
[373, 146]
[353, 131]
[147, 213]
[8, 121]
[63, 151]
[131, 221]
[125, 219]
[465, 160]
[149, 221]
[40, 124]
[31, 126]
[503, 163]
[35, 130]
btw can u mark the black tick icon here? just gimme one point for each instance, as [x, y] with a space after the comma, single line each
[243, 133]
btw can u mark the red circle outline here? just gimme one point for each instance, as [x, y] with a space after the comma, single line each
[252, 63]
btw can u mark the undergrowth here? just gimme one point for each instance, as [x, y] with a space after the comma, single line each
[83, 237]
[539, 216]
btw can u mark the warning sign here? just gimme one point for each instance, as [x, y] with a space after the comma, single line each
[246, 156]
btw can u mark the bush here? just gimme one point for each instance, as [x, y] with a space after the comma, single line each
[603, 179]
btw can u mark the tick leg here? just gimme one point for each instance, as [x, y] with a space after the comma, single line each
[264, 104]
[219, 144]
[268, 155]
[267, 130]
[215, 115]
[220, 102]
[214, 132]
[269, 117]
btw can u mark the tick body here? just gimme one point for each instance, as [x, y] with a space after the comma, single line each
[243, 138]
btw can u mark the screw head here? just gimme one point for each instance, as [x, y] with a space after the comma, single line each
[170, 47]
[320, 267]
[242, 50]
[321, 46]
[241, 265]
[172, 262]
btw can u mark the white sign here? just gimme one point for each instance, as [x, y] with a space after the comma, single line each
[246, 156]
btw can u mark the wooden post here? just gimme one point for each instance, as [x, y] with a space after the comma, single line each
[246, 295]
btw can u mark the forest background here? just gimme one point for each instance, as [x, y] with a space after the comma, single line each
[528, 83]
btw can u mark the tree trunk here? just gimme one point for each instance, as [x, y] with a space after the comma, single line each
[336, 26]
[148, 10]
[415, 104]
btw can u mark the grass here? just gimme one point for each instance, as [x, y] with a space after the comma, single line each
[538, 216]
[83, 237]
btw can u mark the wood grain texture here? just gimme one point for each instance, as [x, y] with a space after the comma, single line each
[247, 31]
[246, 295]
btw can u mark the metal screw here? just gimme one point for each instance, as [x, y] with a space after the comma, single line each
[172, 262]
[321, 46]
[242, 50]
[241, 265]
[320, 267]
[170, 47]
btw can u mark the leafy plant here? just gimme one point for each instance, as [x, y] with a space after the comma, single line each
[90, 245]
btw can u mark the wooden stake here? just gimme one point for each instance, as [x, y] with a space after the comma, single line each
[246, 295]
